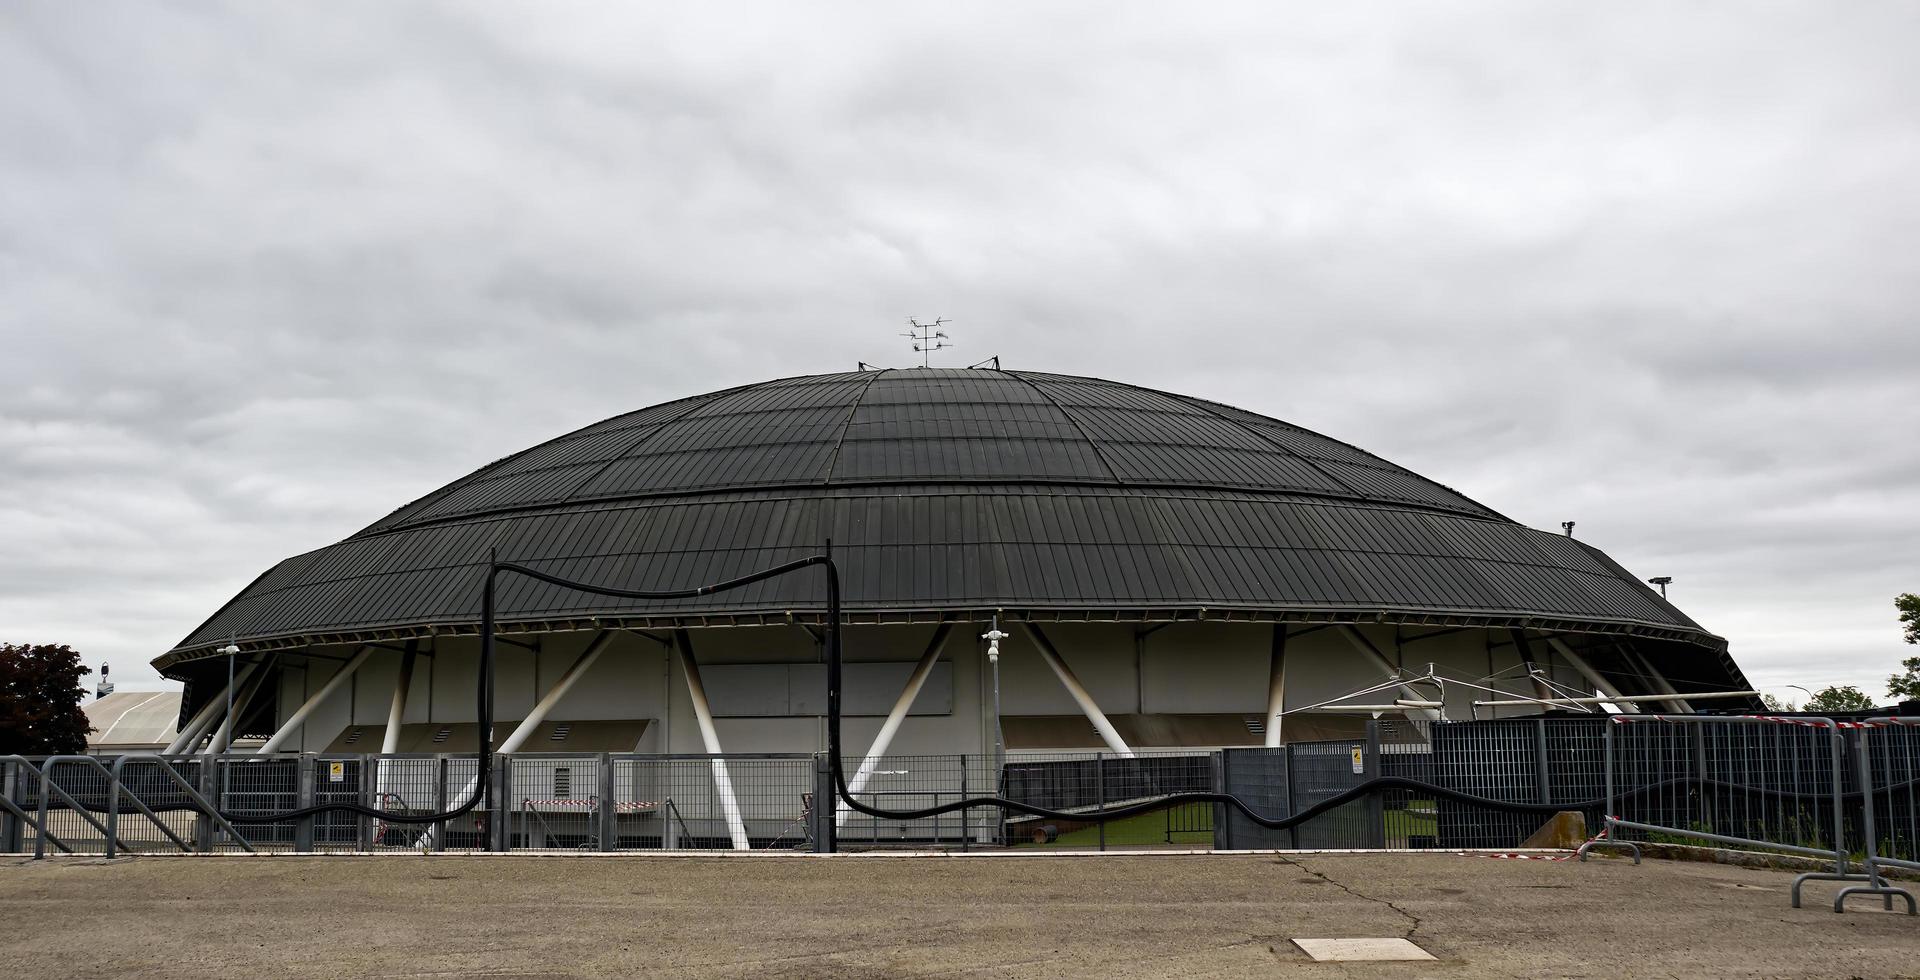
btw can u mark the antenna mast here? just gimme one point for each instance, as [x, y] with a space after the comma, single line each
[927, 337]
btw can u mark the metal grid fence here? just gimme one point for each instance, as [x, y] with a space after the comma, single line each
[1711, 779]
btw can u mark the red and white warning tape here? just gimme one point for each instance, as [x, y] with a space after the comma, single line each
[592, 803]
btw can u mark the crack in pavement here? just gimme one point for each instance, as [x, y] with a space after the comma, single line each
[1329, 879]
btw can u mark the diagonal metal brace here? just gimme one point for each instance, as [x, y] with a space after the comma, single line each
[192, 792]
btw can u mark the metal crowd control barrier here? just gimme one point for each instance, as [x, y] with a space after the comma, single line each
[15, 768]
[1771, 783]
[1892, 777]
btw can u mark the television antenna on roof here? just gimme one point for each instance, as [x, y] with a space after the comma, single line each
[927, 337]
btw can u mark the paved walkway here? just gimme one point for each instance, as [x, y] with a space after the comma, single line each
[1119, 915]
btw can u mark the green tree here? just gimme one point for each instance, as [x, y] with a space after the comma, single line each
[1909, 606]
[40, 697]
[1841, 699]
[1906, 686]
[1780, 705]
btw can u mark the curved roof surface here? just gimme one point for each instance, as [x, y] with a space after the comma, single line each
[945, 491]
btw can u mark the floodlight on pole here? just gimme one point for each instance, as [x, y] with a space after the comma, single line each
[1661, 581]
[232, 651]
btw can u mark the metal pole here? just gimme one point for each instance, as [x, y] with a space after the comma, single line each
[894, 718]
[1542, 768]
[222, 739]
[1839, 810]
[1100, 793]
[204, 718]
[10, 834]
[1376, 807]
[609, 829]
[227, 728]
[303, 789]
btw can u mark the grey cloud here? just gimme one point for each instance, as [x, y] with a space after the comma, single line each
[265, 275]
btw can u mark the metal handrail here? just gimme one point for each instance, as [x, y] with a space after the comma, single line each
[41, 833]
[47, 783]
[206, 806]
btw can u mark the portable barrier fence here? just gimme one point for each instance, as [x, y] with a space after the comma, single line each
[1844, 792]
[1887, 756]
[1759, 782]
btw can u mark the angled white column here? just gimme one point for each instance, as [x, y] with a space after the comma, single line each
[703, 713]
[396, 713]
[892, 725]
[242, 700]
[1277, 685]
[1108, 733]
[531, 722]
[559, 690]
[1659, 681]
[204, 718]
[299, 717]
[1379, 660]
[1593, 676]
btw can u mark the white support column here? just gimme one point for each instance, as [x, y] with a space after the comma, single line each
[1108, 733]
[528, 725]
[242, 700]
[1277, 685]
[299, 718]
[1379, 660]
[559, 690]
[1593, 676]
[396, 714]
[892, 725]
[204, 718]
[703, 713]
[1659, 681]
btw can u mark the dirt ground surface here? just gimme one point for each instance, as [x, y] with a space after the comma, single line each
[1141, 915]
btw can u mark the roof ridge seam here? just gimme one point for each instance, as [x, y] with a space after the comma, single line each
[1077, 427]
[1318, 497]
[833, 458]
[1275, 443]
[1389, 466]
[650, 433]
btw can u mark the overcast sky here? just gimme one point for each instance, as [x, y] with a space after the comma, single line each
[267, 270]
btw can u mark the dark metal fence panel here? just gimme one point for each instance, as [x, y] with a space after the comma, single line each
[1321, 771]
[1771, 782]
[1260, 777]
[1496, 759]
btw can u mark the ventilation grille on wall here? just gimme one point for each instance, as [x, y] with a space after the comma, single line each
[1256, 725]
[562, 783]
[353, 736]
[560, 732]
[441, 735]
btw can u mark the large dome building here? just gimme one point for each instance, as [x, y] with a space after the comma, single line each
[1173, 572]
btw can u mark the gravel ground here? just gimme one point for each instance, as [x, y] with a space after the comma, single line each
[855, 916]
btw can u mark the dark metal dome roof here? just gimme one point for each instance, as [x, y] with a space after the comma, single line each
[946, 492]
